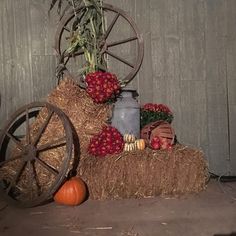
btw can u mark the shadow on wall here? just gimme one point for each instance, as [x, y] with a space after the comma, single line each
[232, 234]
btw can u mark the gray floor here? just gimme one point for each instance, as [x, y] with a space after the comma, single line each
[212, 212]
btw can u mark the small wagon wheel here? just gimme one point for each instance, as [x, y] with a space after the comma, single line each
[127, 64]
[34, 157]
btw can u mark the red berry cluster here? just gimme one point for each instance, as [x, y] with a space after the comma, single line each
[157, 108]
[108, 141]
[160, 143]
[101, 86]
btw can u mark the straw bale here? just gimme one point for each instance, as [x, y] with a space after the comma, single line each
[146, 173]
[87, 117]
[136, 174]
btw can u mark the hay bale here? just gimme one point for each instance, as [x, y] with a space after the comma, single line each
[87, 117]
[134, 174]
[145, 173]
[83, 113]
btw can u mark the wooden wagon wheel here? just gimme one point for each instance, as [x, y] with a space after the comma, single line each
[107, 44]
[30, 170]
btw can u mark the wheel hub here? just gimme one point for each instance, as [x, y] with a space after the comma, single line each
[30, 152]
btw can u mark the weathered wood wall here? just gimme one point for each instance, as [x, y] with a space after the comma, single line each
[189, 64]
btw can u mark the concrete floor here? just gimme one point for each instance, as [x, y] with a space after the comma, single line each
[212, 212]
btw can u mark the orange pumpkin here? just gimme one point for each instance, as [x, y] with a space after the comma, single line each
[72, 192]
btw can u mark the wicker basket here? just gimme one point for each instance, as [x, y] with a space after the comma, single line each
[161, 129]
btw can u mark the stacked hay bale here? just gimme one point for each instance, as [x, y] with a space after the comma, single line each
[135, 174]
[130, 174]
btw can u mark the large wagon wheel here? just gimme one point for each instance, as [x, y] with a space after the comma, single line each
[130, 42]
[34, 157]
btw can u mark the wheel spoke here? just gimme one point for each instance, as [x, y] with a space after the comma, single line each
[43, 127]
[16, 177]
[46, 166]
[36, 179]
[15, 140]
[111, 26]
[119, 58]
[30, 176]
[53, 144]
[9, 160]
[27, 126]
[122, 41]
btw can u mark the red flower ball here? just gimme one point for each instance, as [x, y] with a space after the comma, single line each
[108, 141]
[157, 108]
[101, 86]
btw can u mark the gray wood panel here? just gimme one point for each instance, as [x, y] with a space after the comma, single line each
[16, 76]
[145, 75]
[166, 53]
[189, 64]
[43, 27]
[231, 85]
[192, 62]
[216, 31]
[43, 68]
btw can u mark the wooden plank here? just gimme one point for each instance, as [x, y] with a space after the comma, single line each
[145, 75]
[2, 69]
[165, 38]
[43, 27]
[165, 43]
[194, 110]
[232, 167]
[15, 57]
[192, 63]
[160, 83]
[192, 43]
[231, 82]
[21, 56]
[157, 39]
[216, 30]
[165, 57]
[43, 68]
[5, 56]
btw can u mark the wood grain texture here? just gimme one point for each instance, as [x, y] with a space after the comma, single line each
[189, 64]
[15, 57]
[216, 30]
[145, 75]
[231, 81]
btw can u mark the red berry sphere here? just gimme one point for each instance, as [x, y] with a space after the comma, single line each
[101, 86]
[108, 141]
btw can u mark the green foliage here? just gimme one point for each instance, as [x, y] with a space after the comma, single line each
[151, 116]
[86, 33]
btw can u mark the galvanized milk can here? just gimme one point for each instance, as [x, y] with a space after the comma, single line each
[126, 113]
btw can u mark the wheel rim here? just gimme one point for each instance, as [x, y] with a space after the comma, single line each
[27, 158]
[105, 44]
